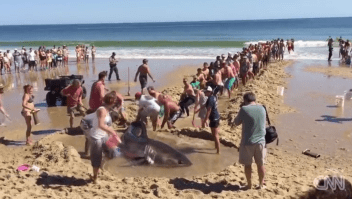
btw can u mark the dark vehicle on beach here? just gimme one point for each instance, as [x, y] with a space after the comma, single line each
[54, 86]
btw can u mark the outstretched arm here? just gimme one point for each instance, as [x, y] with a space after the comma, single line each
[137, 73]
[150, 75]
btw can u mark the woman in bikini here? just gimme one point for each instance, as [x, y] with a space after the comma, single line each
[28, 109]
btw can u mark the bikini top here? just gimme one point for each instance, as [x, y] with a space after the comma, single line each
[30, 100]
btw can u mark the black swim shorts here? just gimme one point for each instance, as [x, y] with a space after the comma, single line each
[143, 80]
[214, 123]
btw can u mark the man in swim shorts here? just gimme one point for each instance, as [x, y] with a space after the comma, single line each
[231, 78]
[17, 58]
[171, 113]
[143, 72]
[281, 50]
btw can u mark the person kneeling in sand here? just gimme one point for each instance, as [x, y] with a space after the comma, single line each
[171, 112]
[148, 107]
[97, 128]
[252, 116]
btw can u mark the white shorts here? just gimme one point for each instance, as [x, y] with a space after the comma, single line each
[247, 152]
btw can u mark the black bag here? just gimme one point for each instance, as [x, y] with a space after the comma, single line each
[271, 134]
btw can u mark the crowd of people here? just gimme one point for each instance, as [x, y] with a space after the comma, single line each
[208, 84]
[41, 59]
[344, 50]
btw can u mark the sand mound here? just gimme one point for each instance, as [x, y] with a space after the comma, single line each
[54, 154]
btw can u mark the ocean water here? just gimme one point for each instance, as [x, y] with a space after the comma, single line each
[181, 40]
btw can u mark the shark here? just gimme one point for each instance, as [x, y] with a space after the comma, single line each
[137, 146]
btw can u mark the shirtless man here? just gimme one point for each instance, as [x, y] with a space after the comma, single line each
[201, 78]
[65, 54]
[255, 64]
[236, 63]
[189, 97]
[93, 53]
[230, 78]
[205, 70]
[244, 67]
[78, 53]
[217, 81]
[289, 46]
[120, 110]
[172, 113]
[143, 72]
[281, 50]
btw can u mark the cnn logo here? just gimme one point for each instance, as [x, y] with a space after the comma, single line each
[329, 182]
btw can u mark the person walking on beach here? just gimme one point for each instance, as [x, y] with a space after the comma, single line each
[31, 59]
[27, 110]
[97, 93]
[87, 54]
[330, 45]
[74, 94]
[9, 56]
[113, 66]
[99, 131]
[65, 53]
[252, 116]
[94, 50]
[213, 116]
[17, 60]
[2, 109]
[143, 72]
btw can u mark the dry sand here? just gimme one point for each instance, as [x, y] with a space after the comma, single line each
[65, 175]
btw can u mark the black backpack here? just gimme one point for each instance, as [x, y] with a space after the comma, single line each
[271, 134]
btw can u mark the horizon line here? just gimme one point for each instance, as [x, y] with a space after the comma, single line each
[169, 21]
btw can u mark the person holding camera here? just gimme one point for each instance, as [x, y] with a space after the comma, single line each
[113, 62]
[252, 116]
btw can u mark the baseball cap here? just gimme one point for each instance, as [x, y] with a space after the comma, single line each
[15, 49]
[138, 95]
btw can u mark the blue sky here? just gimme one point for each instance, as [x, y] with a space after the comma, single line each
[119, 11]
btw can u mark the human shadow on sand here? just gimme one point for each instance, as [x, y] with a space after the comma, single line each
[44, 132]
[6, 142]
[74, 131]
[329, 118]
[206, 188]
[52, 181]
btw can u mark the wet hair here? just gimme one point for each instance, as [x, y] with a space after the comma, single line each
[249, 97]
[110, 98]
[102, 74]
[145, 61]
[26, 87]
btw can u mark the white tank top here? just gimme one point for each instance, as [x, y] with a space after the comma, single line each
[93, 130]
[149, 103]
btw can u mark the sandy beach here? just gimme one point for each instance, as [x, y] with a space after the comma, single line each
[290, 174]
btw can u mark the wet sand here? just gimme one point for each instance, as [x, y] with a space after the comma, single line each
[323, 127]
